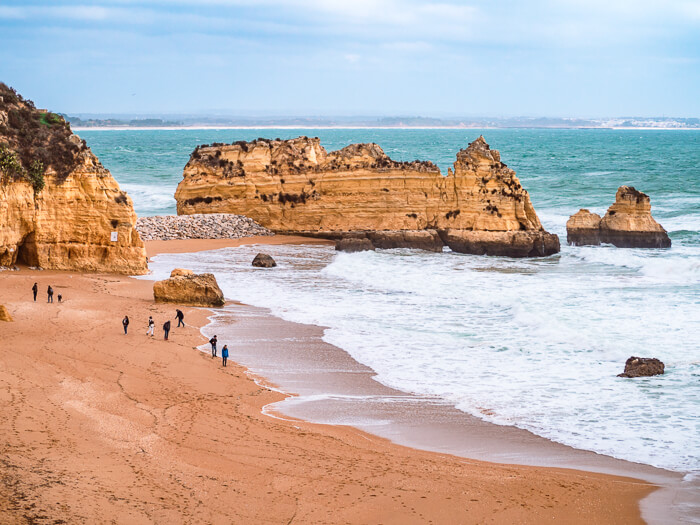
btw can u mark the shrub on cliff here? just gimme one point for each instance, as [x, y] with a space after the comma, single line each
[37, 136]
[11, 169]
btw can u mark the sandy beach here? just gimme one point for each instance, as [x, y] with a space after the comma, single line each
[105, 427]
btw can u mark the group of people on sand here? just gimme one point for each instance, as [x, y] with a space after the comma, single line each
[49, 293]
[224, 351]
[166, 331]
[152, 324]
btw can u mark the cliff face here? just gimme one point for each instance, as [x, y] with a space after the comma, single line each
[628, 223]
[59, 207]
[297, 186]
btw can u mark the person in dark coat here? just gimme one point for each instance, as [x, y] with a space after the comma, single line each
[212, 342]
[180, 318]
[35, 290]
[60, 298]
[166, 329]
[49, 292]
[125, 323]
[224, 354]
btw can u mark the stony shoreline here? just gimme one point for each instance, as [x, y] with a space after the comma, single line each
[198, 226]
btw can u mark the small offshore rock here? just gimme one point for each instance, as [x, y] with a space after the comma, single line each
[642, 367]
[263, 260]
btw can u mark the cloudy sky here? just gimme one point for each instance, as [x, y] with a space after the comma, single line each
[579, 58]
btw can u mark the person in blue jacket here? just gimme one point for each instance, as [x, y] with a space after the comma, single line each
[224, 354]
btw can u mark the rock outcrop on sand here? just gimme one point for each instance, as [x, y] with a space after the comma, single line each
[263, 260]
[198, 226]
[642, 367]
[4, 314]
[296, 186]
[628, 223]
[186, 287]
[59, 207]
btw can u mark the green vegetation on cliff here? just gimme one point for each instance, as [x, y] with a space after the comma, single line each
[33, 140]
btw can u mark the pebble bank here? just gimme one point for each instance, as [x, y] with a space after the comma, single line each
[198, 226]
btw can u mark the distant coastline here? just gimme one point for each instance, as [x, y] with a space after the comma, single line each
[209, 127]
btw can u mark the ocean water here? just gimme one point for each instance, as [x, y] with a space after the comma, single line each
[532, 343]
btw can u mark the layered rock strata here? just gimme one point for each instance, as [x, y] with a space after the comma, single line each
[628, 223]
[59, 207]
[187, 288]
[296, 186]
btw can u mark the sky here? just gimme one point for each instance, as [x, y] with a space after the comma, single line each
[498, 58]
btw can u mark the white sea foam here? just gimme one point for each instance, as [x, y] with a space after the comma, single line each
[531, 343]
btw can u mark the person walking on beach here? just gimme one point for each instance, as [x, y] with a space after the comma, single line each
[180, 318]
[125, 323]
[166, 329]
[224, 354]
[212, 341]
[60, 298]
[35, 290]
[151, 326]
[49, 292]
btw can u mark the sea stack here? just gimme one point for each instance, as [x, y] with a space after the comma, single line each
[60, 208]
[296, 186]
[628, 223]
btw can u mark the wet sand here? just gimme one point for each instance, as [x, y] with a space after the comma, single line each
[100, 426]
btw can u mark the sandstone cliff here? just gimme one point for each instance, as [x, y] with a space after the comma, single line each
[628, 223]
[59, 207]
[296, 186]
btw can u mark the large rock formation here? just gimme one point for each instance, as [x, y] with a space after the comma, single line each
[296, 186]
[642, 367]
[627, 224]
[188, 288]
[59, 207]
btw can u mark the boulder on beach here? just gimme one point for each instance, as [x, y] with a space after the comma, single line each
[628, 223]
[354, 244]
[642, 367]
[263, 260]
[4, 314]
[189, 289]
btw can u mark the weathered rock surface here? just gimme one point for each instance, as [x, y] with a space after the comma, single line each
[507, 244]
[59, 207]
[5, 315]
[179, 272]
[642, 366]
[263, 260]
[189, 289]
[198, 226]
[354, 245]
[296, 186]
[628, 223]
[428, 240]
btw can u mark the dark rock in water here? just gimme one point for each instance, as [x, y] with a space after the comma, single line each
[628, 223]
[354, 244]
[502, 243]
[416, 239]
[642, 366]
[262, 260]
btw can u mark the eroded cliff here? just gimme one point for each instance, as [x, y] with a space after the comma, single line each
[628, 223]
[297, 186]
[59, 207]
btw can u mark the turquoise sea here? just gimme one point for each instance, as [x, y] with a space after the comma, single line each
[531, 343]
